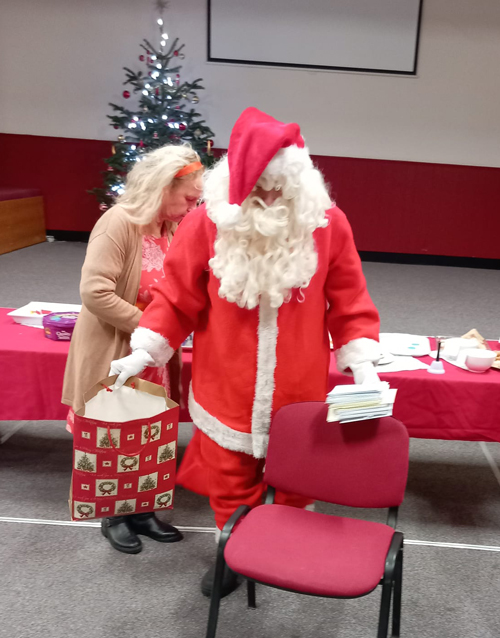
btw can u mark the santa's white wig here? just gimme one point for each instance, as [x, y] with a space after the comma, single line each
[267, 249]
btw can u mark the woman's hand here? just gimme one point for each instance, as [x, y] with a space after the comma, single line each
[130, 366]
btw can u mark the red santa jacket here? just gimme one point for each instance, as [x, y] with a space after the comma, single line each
[249, 363]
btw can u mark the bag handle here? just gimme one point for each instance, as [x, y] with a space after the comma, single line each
[123, 453]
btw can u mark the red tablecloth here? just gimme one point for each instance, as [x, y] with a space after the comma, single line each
[458, 405]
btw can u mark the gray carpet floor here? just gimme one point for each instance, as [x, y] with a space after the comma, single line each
[61, 580]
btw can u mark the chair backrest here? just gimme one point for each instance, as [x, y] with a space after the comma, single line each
[361, 464]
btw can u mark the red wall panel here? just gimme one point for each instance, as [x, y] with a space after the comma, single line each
[63, 169]
[399, 207]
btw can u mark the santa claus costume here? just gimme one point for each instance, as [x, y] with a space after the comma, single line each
[262, 287]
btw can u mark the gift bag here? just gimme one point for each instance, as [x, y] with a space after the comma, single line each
[124, 450]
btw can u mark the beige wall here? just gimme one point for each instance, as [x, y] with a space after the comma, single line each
[61, 63]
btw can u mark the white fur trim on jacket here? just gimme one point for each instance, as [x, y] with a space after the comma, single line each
[357, 351]
[222, 434]
[264, 385]
[155, 345]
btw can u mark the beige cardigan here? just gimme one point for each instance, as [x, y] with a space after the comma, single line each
[109, 286]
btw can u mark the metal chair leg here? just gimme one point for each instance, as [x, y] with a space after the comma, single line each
[251, 594]
[398, 587]
[385, 609]
[213, 615]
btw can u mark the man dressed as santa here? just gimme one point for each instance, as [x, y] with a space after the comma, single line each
[262, 272]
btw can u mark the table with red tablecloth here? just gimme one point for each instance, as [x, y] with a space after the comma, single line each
[458, 405]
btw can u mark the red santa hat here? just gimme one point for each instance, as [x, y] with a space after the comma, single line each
[255, 141]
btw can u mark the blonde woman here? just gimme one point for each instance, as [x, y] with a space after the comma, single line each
[124, 259]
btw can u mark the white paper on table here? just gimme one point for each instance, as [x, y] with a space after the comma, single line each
[124, 404]
[401, 364]
[402, 344]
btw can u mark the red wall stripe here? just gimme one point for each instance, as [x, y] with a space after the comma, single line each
[399, 207]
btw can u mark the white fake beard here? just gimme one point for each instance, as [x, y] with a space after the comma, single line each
[269, 252]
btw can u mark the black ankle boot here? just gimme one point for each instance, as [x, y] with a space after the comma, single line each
[230, 582]
[120, 535]
[149, 525]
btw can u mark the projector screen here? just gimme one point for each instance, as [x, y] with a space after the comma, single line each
[377, 36]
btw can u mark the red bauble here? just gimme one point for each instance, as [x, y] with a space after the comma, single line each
[176, 53]
[116, 126]
[142, 58]
[177, 107]
[177, 75]
[147, 52]
[182, 127]
[157, 91]
[110, 168]
[141, 144]
[126, 94]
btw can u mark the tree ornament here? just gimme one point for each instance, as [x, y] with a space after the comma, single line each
[125, 508]
[104, 441]
[142, 58]
[184, 95]
[176, 53]
[166, 455]
[197, 133]
[182, 127]
[116, 126]
[110, 169]
[141, 144]
[126, 94]
[147, 484]
[155, 135]
[121, 138]
[85, 464]
[195, 99]
[157, 91]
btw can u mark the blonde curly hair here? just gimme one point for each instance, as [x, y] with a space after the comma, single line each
[146, 182]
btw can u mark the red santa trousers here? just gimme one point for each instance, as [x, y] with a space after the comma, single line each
[228, 478]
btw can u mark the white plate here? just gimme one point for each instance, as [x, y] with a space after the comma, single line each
[28, 315]
[400, 344]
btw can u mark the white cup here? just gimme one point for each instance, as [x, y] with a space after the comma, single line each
[479, 360]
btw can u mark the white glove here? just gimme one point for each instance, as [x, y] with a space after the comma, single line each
[364, 373]
[130, 366]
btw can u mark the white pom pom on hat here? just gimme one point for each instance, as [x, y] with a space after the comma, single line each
[227, 216]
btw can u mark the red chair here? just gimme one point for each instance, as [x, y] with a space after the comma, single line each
[363, 464]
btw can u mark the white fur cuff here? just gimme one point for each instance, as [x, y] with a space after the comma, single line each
[357, 351]
[155, 345]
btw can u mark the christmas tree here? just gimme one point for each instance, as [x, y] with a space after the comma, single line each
[163, 113]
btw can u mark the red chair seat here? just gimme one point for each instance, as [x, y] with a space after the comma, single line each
[309, 552]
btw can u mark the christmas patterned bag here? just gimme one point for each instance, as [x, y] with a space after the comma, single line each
[124, 466]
